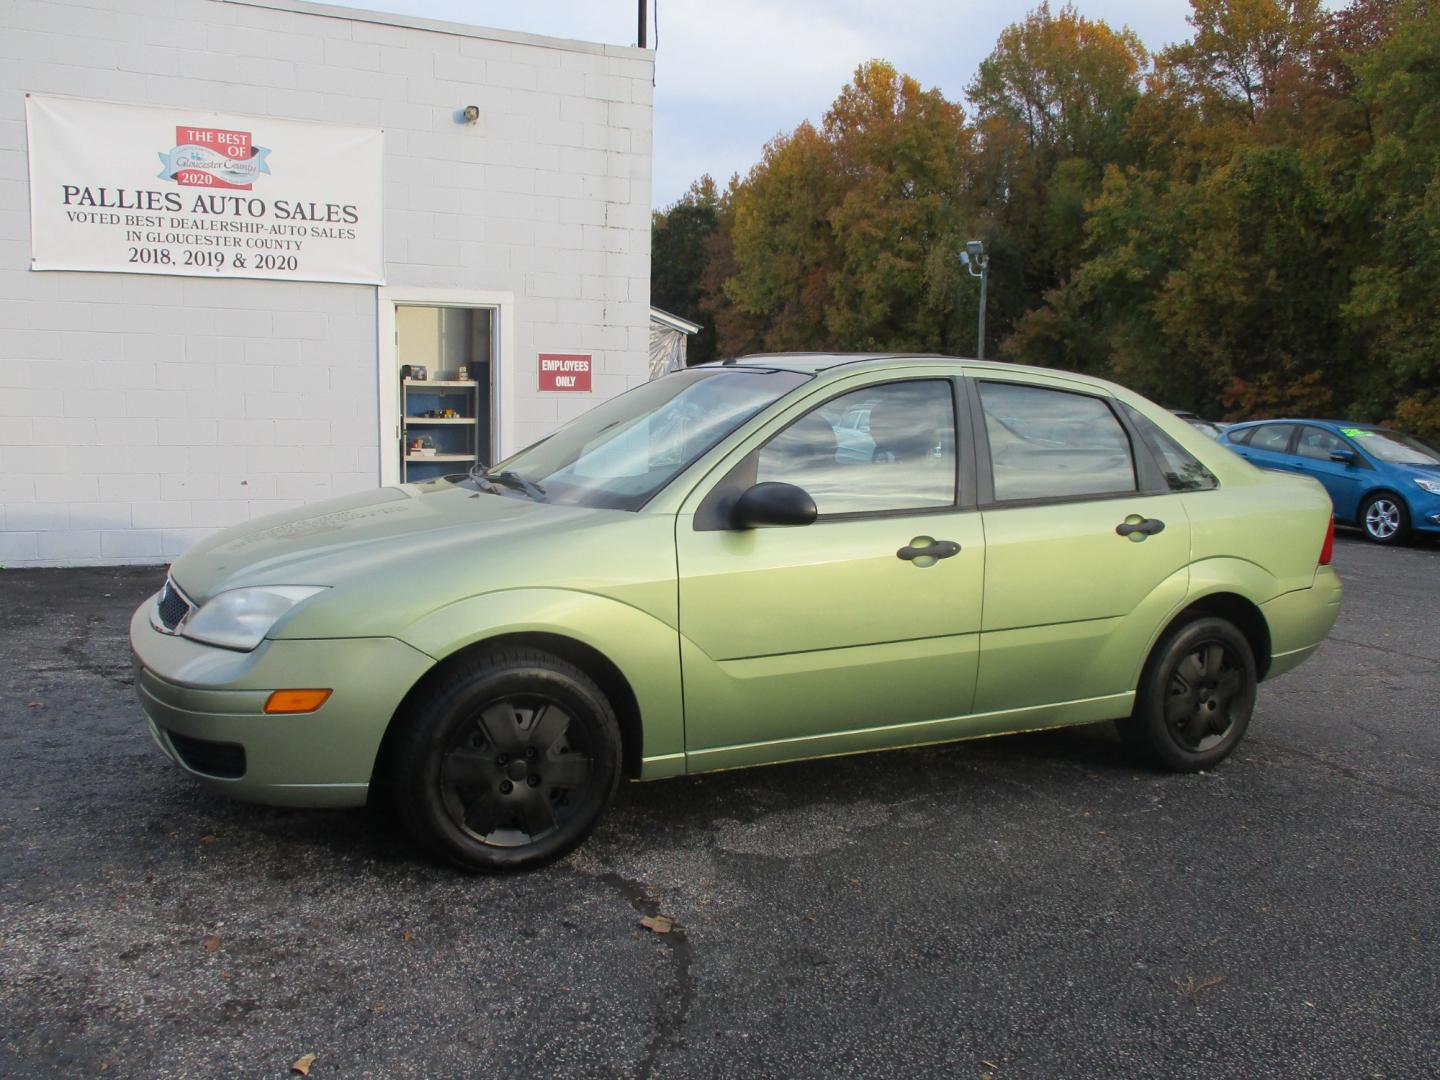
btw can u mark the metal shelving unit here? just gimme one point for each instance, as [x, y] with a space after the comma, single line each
[455, 438]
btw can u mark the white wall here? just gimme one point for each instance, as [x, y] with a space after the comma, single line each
[138, 413]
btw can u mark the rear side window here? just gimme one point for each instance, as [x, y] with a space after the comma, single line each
[1183, 471]
[1048, 444]
[1272, 437]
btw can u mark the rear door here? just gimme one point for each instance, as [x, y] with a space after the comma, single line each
[1086, 546]
[1270, 446]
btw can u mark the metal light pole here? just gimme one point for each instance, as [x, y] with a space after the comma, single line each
[972, 256]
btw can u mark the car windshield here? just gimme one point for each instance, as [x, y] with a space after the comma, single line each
[623, 451]
[1393, 447]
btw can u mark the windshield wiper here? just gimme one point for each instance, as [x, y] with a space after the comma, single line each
[512, 479]
[506, 478]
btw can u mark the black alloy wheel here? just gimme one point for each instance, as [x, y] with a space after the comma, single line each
[508, 776]
[1200, 698]
[507, 761]
[1195, 697]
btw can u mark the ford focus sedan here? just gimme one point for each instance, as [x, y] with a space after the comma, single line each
[768, 559]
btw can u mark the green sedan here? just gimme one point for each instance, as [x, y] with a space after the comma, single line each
[768, 559]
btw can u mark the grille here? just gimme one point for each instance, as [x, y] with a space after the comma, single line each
[225, 760]
[171, 606]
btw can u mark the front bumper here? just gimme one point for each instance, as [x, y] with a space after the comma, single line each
[1425, 511]
[1299, 621]
[205, 708]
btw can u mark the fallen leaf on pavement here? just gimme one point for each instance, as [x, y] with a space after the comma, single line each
[302, 1066]
[34, 704]
[209, 838]
[1193, 988]
[407, 935]
[211, 943]
[659, 924]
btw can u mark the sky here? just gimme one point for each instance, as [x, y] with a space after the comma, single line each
[732, 74]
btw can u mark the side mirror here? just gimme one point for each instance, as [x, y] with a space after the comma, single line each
[772, 503]
[1345, 457]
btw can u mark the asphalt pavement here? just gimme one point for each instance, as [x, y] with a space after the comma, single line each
[1028, 906]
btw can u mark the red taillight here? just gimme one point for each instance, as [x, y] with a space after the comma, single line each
[1327, 550]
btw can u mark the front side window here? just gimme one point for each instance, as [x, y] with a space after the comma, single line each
[1318, 443]
[881, 449]
[621, 453]
[1048, 444]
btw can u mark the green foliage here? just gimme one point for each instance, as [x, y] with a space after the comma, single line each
[1248, 224]
[678, 252]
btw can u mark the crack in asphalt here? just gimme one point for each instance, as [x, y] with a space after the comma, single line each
[1382, 648]
[668, 1023]
[75, 649]
[1347, 772]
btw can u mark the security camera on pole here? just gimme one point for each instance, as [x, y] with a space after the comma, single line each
[974, 256]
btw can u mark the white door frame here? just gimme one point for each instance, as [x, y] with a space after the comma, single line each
[502, 365]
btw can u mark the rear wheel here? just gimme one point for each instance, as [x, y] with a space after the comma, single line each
[1385, 519]
[507, 762]
[1195, 697]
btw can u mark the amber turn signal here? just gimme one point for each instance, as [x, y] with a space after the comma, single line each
[296, 701]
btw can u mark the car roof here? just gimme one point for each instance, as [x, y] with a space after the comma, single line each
[813, 363]
[1335, 424]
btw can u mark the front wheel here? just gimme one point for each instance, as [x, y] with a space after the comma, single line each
[1195, 697]
[1385, 519]
[507, 762]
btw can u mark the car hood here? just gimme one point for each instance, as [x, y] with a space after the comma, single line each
[360, 537]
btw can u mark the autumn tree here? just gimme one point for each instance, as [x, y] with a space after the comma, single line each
[1052, 103]
[844, 235]
[1246, 223]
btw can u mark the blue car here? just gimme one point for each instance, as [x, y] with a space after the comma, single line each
[1385, 482]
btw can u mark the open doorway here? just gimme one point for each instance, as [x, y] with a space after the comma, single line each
[440, 383]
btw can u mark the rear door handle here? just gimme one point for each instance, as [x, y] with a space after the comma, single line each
[923, 548]
[1143, 526]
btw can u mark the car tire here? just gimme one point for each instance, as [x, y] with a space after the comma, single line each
[1385, 519]
[506, 762]
[1195, 698]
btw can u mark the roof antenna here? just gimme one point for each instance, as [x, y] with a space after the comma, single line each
[644, 23]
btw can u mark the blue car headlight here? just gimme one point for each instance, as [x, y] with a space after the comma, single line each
[1432, 486]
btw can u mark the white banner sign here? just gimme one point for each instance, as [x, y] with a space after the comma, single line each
[143, 190]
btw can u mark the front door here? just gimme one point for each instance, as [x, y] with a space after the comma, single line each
[855, 631]
[1344, 480]
[1086, 548]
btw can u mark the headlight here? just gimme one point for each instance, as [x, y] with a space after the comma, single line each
[1432, 486]
[240, 618]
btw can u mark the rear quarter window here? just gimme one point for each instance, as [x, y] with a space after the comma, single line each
[1183, 470]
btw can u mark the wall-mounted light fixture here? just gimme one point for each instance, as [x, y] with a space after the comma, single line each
[468, 115]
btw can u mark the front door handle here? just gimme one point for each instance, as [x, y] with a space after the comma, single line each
[1137, 528]
[923, 551]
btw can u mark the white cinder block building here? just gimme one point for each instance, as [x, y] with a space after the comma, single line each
[230, 228]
